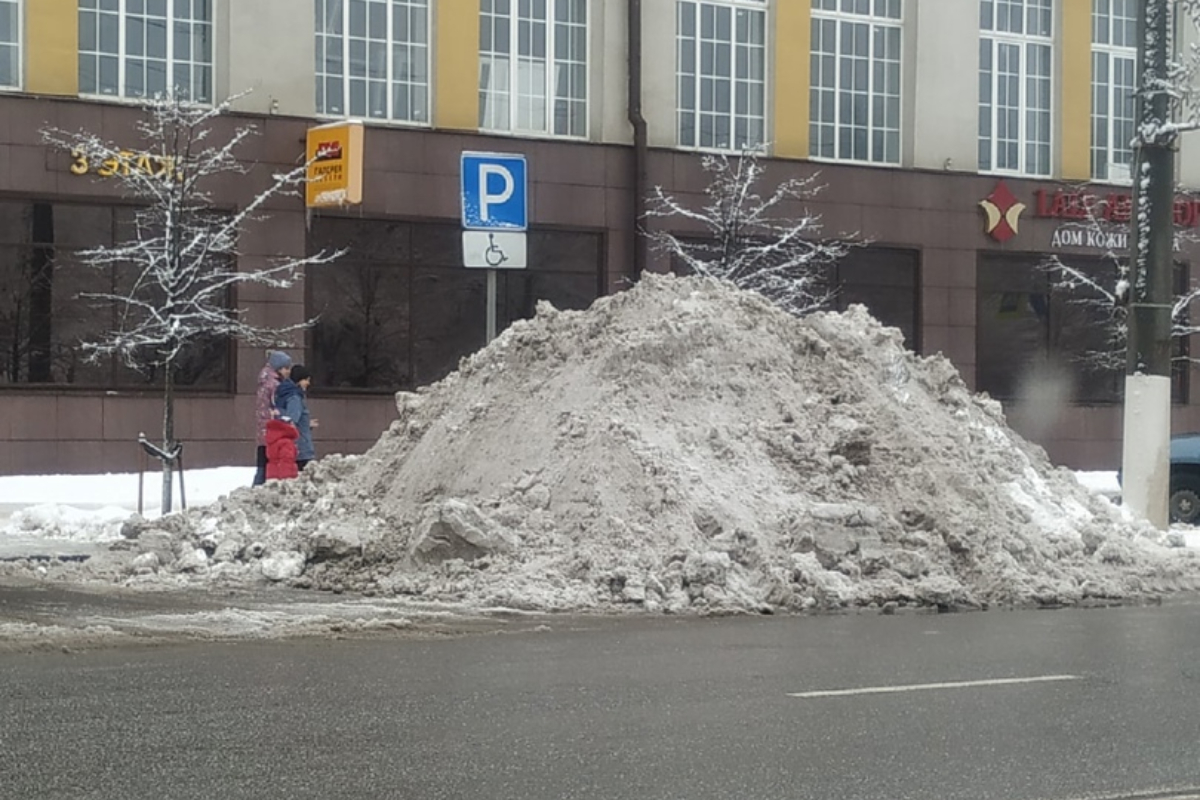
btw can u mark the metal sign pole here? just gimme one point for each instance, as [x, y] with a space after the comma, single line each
[491, 305]
[141, 479]
[182, 491]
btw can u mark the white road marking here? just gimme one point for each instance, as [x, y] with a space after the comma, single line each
[1189, 793]
[919, 687]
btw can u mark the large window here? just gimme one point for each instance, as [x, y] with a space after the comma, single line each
[399, 310]
[10, 44]
[1015, 56]
[886, 281]
[533, 66]
[45, 313]
[720, 51]
[1114, 67]
[855, 91]
[1027, 327]
[373, 59]
[144, 48]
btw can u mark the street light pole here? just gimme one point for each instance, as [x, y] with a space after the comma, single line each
[1147, 413]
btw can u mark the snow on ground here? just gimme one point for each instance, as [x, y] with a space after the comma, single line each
[1104, 482]
[92, 508]
[680, 447]
[119, 489]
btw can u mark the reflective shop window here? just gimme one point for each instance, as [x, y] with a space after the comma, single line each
[399, 310]
[46, 312]
[1028, 329]
[884, 279]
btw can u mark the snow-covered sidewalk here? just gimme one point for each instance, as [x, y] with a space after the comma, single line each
[91, 508]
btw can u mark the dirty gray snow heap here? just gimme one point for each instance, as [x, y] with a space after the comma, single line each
[686, 446]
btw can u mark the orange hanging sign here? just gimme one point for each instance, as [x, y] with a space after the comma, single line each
[335, 165]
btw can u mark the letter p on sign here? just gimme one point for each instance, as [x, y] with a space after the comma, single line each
[494, 193]
[489, 198]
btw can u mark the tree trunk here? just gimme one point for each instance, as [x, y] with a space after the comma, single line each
[168, 440]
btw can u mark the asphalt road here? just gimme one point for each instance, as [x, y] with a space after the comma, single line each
[628, 710]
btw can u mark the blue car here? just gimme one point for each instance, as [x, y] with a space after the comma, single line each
[1184, 502]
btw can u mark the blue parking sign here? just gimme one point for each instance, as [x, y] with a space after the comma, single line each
[494, 192]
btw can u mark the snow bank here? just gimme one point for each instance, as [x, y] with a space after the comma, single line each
[52, 521]
[120, 489]
[683, 447]
[92, 508]
[1104, 482]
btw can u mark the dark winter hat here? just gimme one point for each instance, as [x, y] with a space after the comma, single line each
[299, 373]
[277, 359]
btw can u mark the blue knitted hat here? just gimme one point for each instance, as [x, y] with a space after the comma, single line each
[278, 359]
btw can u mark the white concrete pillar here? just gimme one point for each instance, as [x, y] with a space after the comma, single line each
[1145, 462]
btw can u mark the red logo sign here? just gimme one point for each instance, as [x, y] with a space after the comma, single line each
[329, 151]
[1003, 212]
[1114, 207]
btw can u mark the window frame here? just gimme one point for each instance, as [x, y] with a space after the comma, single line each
[18, 45]
[759, 6]
[911, 269]
[598, 274]
[1026, 274]
[833, 281]
[320, 75]
[112, 363]
[1113, 52]
[511, 92]
[874, 22]
[123, 56]
[1023, 42]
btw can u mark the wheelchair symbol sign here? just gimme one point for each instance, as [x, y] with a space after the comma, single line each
[493, 255]
[494, 249]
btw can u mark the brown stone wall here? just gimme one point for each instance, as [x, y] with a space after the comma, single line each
[938, 214]
[414, 175]
[410, 174]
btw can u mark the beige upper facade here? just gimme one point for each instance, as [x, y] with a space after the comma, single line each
[1036, 88]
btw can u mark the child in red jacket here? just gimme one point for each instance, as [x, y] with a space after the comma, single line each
[281, 450]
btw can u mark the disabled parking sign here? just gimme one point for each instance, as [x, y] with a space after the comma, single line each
[495, 214]
[494, 192]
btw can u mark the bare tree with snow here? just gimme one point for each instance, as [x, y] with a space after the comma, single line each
[1105, 293]
[1145, 314]
[1168, 106]
[750, 239]
[179, 262]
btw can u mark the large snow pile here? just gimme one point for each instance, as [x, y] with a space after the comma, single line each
[681, 446]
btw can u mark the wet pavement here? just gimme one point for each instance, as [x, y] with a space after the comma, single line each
[1029, 705]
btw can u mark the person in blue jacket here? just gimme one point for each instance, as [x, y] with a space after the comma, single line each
[291, 399]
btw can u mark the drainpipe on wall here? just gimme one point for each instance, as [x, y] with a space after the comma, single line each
[639, 135]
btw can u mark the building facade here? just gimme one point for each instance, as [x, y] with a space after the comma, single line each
[965, 142]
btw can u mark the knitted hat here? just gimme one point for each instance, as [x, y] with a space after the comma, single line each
[299, 373]
[277, 360]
